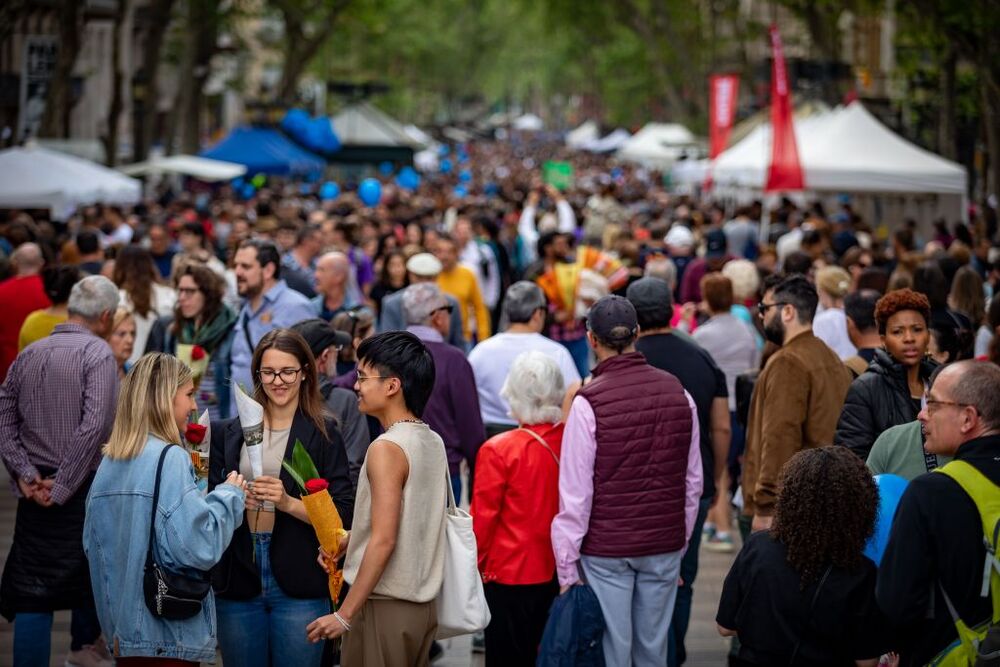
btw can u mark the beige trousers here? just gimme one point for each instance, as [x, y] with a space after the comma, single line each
[390, 633]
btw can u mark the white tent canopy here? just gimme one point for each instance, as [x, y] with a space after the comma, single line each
[201, 168]
[581, 136]
[846, 150]
[35, 177]
[362, 124]
[529, 122]
[609, 143]
[657, 144]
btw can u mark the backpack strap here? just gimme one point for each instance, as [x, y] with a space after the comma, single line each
[986, 495]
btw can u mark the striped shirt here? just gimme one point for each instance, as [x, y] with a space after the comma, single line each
[57, 406]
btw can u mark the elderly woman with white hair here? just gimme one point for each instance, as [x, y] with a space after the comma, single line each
[516, 496]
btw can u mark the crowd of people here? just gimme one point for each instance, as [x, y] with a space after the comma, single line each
[612, 375]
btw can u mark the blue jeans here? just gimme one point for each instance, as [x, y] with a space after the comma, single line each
[271, 628]
[33, 635]
[456, 487]
[677, 654]
[637, 599]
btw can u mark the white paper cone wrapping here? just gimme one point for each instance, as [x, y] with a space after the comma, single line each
[252, 421]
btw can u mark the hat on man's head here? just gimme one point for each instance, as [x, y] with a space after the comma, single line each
[679, 236]
[424, 264]
[612, 319]
[421, 300]
[320, 335]
[715, 244]
[652, 297]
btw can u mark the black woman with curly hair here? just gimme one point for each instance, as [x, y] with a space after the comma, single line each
[802, 593]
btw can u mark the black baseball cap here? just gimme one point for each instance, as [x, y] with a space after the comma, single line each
[715, 243]
[320, 335]
[610, 313]
[652, 297]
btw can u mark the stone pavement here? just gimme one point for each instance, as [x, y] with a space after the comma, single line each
[705, 647]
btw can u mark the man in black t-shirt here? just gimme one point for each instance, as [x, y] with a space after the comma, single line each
[706, 383]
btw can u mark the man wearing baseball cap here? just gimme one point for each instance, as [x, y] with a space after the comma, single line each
[325, 342]
[629, 481]
[422, 268]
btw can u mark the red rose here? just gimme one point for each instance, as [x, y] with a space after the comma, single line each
[197, 353]
[195, 433]
[316, 485]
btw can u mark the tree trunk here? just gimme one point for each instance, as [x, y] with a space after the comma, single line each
[184, 121]
[946, 120]
[110, 139]
[991, 120]
[300, 49]
[55, 121]
[144, 87]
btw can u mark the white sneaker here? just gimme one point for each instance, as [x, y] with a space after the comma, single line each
[88, 656]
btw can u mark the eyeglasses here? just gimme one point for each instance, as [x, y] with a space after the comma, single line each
[362, 378]
[932, 403]
[187, 291]
[268, 375]
[762, 307]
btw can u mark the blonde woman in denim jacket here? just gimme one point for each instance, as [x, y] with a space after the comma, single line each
[192, 531]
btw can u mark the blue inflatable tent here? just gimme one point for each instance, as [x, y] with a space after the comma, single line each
[265, 151]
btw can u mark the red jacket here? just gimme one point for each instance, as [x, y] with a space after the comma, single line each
[515, 498]
[19, 297]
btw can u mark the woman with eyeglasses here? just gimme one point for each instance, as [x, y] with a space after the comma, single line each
[198, 331]
[890, 392]
[268, 584]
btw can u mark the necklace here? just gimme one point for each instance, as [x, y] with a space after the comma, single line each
[403, 421]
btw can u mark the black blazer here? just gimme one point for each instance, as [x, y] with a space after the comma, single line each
[293, 543]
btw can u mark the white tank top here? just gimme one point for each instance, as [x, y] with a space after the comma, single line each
[415, 569]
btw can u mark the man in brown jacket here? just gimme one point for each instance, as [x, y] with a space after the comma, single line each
[797, 400]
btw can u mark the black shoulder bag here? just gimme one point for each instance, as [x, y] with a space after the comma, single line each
[173, 597]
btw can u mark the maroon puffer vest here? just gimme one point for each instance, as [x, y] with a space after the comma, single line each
[643, 438]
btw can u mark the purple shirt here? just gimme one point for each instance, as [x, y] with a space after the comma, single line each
[576, 485]
[453, 408]
[57, 406]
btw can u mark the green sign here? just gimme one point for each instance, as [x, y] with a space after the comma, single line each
[558, 174]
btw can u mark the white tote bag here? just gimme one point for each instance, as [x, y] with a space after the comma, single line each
[461, 604]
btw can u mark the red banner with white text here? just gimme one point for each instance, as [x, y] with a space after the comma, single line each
[785, 171]
[723, 91]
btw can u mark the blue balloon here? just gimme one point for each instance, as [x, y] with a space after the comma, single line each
[237, 183]
[329, 190]
[890, 490]
[460, 191]
[465, 175]
[445, 166]
[408, 178]
[248, 190]
[492, 189]
[385, 168]
[370, 191]
[443, 150]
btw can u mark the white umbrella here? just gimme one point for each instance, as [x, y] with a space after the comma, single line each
[201, 168]
[35, 177]
[529, 122]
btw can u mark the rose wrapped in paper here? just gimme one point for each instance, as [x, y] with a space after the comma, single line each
[194, 434]
[323, 514]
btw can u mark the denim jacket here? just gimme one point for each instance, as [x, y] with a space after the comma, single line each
[192, 532]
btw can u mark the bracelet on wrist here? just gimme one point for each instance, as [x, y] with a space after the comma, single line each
[342, 621]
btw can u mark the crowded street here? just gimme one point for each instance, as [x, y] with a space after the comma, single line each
[384, 333]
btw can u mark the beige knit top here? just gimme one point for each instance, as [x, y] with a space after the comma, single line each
[415, 569]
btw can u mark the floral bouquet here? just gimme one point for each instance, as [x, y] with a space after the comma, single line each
[319, 506]
[196, 435]
[196, 358]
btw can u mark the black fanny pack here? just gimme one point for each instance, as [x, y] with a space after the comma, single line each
[168, 595]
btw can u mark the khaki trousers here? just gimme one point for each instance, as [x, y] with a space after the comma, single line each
[390, 633]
